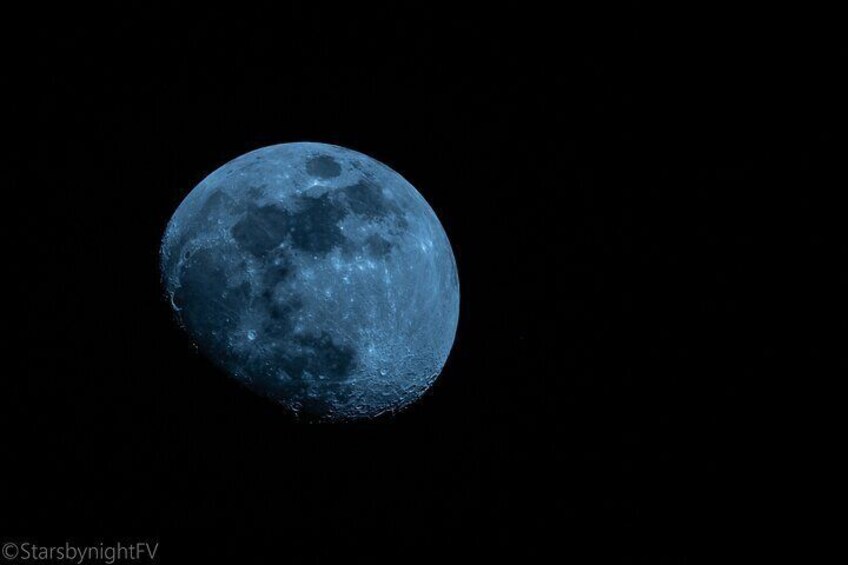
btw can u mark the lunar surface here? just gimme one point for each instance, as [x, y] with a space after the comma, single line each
[316, 276]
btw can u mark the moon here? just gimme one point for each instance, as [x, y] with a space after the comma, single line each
[316, 276]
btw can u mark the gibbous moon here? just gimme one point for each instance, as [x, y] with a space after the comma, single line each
[316, 276]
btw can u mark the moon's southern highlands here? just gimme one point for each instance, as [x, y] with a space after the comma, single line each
[316, 276]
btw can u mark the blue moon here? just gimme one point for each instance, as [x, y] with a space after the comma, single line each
[316, 276]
